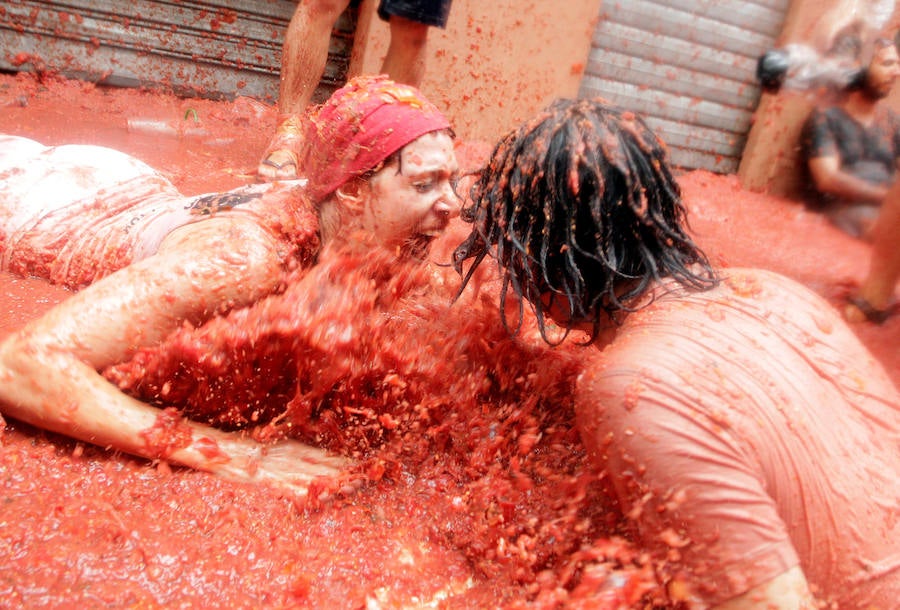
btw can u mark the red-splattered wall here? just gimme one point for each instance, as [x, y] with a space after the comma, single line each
[497, 62]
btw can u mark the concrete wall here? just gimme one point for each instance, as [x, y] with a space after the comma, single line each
[497, 62]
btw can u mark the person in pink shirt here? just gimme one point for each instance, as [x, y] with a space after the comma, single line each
[751, 440]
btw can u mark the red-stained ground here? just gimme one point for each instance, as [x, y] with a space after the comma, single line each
[81, 527]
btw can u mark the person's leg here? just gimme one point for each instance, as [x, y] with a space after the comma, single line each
[409, 21]
[874, 299]
[303, 59]
[305, 52]
[405, 59]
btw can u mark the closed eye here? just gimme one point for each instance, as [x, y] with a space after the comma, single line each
[423, 187]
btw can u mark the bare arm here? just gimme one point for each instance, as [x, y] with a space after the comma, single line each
[48, 370]
[788, 591]
[830, 178]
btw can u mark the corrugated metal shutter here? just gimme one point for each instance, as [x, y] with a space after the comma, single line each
[687, 66]
[217, 48]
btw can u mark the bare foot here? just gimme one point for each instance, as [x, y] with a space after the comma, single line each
[854, 314]
[859, 309]
[281, 159]
[278, 165]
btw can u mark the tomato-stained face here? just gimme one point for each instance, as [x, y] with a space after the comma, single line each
[412, 198]
[883, 72]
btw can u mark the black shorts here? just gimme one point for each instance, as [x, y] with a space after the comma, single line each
[429, 12]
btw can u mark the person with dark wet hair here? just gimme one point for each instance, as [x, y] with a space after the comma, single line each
[146, 260]
[851, 149]
[641, 239]
[749, 437]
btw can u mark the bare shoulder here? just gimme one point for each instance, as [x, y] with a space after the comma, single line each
[225, 233]
[243, 249]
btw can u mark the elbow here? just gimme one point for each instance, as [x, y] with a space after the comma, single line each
[824, 175]
[10, 352]
[823, 183]
[14, 370]
[23, 356]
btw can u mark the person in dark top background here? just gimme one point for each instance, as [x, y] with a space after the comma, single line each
[851, 148]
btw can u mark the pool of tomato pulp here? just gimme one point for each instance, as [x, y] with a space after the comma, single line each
[476, 492]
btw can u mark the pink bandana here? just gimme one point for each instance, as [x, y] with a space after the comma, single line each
[361, 125]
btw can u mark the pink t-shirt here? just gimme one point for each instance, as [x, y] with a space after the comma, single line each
[746, 431]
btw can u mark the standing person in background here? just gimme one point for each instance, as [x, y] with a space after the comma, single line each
[851, 149]
[148, 260]
[751, 440]
[305, 53]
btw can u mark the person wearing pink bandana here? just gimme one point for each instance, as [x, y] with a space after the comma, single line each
[145, 260]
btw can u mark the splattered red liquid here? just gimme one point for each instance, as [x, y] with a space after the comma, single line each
[477, 493]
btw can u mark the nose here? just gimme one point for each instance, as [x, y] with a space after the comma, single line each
[448, 204]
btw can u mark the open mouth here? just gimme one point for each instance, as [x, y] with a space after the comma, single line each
[417, 246]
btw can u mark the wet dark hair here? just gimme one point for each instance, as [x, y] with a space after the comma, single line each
[580, 202]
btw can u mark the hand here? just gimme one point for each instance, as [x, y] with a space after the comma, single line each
[771, 69]
[287, 464]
